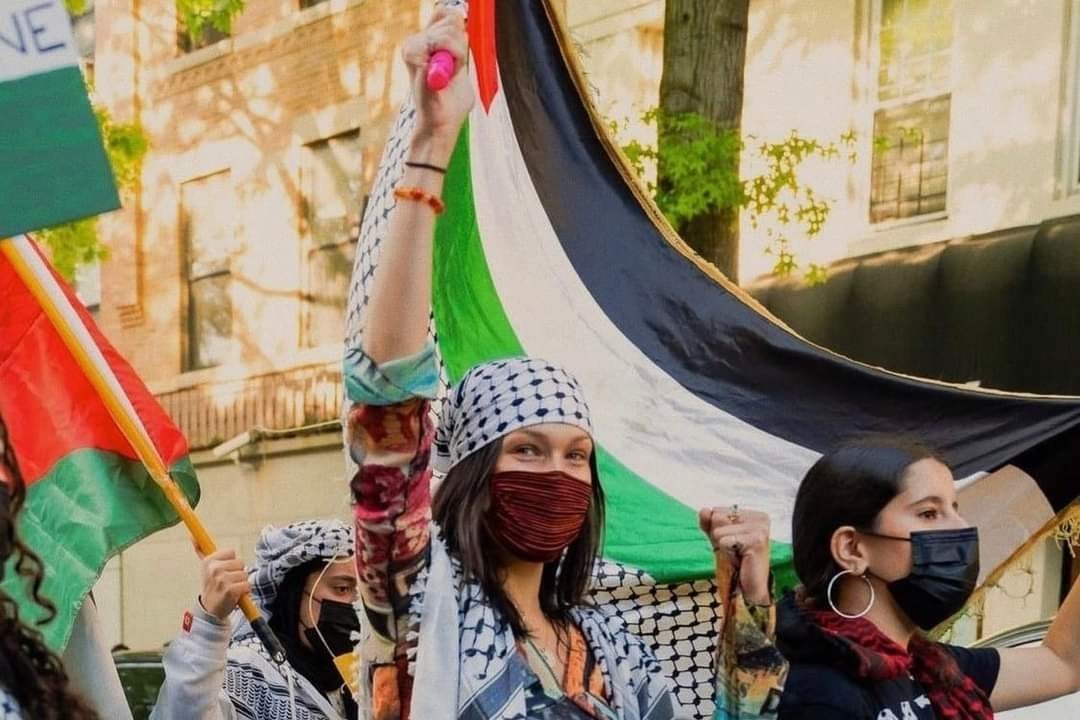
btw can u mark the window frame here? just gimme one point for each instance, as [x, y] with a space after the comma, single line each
[874, 14]
[222, 267]
[1069, 173]
[91, 302]
[186, 44]
[309, 247]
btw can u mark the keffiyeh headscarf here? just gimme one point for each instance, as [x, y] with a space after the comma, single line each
[280, 549]
[454, 623]
[496, 398]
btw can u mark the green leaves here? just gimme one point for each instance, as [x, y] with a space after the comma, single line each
[700, 165]
[701, 175]
[197, 15]
[72, 245]
[126, 146]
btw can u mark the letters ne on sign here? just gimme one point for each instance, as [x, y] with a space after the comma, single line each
[31, 29]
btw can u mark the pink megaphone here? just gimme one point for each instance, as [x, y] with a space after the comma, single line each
[440, 68]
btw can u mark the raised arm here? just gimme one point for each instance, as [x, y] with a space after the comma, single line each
[400, 301]
[391, 379]
[1034, 675]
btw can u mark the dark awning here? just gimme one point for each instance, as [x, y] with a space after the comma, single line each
[1001, 308]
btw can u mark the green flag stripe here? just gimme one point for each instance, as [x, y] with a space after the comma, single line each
[89, 507]
[646, 528]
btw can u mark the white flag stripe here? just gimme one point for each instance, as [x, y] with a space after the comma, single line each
[41, 271]
[688, 448]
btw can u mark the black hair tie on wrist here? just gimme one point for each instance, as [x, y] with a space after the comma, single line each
[426, 166]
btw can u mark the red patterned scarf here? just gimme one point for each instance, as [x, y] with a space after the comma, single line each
[953, 694]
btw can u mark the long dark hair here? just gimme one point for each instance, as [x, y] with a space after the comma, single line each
[29, 671]
[460, 509]
[848, 486]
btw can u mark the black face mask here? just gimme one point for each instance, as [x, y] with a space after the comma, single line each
[337, 623]
[944, 572]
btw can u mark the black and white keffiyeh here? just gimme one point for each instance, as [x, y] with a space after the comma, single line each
[255, 684]
[454, 624]
[496, 398]
[280, 549]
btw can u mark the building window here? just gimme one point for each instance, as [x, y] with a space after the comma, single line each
[1071, 146]
[910, 165]
[208, 232]
[305, 4]
[185, 43]
[330, 179]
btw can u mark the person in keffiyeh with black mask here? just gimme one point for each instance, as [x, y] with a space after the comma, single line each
[304, 582]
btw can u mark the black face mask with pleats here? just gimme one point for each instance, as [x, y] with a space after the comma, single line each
[944, 572]
[337, 623]
[337, 620]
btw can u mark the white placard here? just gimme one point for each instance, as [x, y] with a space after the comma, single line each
[35, 37]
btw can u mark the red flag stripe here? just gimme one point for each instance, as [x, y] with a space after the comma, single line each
[49, 404]
[481, 28]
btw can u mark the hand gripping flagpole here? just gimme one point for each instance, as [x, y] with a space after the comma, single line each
[35, 274]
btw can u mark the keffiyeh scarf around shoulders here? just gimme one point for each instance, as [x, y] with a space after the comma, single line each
[454, 625]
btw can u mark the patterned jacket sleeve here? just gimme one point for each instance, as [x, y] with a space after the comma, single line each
[389, 432]
[750, 671]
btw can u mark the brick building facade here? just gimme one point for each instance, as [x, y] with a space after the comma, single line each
[229, 266]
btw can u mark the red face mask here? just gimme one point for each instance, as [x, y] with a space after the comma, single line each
[536, 515]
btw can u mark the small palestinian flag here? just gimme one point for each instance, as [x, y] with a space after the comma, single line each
[549, 247]
[89, 496]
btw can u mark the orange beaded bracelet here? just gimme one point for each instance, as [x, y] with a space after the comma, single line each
[416, 194]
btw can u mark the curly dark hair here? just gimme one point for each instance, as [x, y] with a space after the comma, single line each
[29, 671]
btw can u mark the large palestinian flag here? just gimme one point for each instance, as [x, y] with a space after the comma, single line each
[89, 496]
[549, 247]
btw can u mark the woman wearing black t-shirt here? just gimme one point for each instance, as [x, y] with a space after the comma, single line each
[882, 552]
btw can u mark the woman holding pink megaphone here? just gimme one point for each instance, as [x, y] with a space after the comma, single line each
[474, 593]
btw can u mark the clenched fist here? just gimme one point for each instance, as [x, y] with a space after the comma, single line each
[744, 536]
[439, 114]
[224, 582]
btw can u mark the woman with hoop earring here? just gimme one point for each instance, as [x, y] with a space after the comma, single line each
[884, 554]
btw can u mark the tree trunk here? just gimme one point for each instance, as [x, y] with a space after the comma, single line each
[704, 57]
